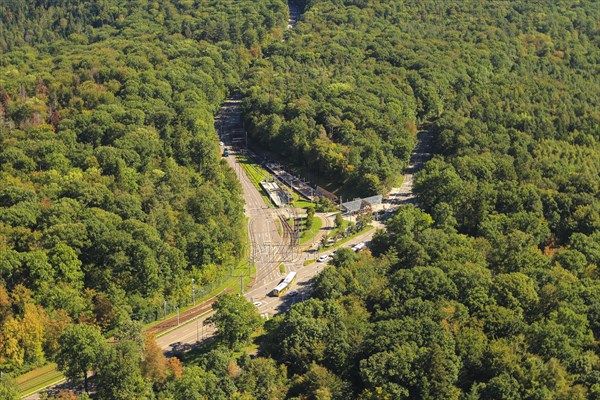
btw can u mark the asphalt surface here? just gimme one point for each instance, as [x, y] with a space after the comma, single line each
[419, 156]
[269, 249]
[186, 336]
[264, 234]
[294, 14]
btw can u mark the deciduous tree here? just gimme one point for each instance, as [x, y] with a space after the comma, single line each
[81, 347]
[235, 319]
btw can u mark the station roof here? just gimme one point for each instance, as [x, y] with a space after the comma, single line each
[353, 206]
[358, 204]
[374, 200]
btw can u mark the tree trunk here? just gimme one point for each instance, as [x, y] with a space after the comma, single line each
[85, 381]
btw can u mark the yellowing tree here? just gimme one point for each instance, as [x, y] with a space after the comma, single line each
[23, 338]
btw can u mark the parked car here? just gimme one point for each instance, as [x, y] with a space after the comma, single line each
[323, 258]
[359, 246]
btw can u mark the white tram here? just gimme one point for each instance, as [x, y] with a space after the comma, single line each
[285, 284]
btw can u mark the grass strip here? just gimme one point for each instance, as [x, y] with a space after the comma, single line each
[307, 235]
[34, 372]
[256, 174]
[303, 204]
[39, 378]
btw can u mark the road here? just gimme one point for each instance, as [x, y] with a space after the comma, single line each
[264, 230]
[276, 305]
[267, 244]
[269, 249]
[294, 14]
[188, 335]
[418, 157]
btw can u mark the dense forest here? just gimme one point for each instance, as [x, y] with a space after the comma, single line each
[112, 192]
[488, 289]
[342, 95]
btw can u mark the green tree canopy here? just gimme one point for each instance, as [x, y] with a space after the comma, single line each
[235, 319]
[80, 351]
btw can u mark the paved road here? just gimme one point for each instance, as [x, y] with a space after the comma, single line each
[267, 245]
[262, 228]
[419, 156]
[268, 248]
[276, 305]
[186, 336]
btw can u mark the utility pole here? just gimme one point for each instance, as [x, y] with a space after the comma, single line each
[165, 308]
[193, 294]
[177, 316]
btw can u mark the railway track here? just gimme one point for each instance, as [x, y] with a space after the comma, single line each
[187, 315]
